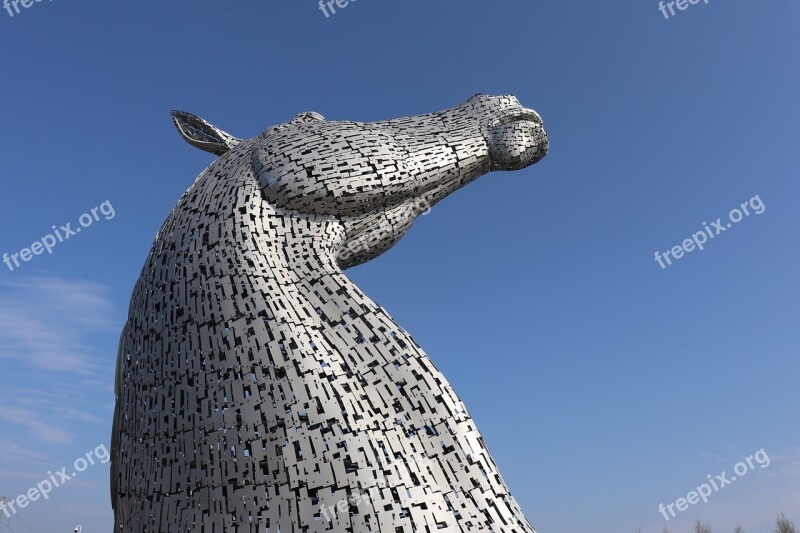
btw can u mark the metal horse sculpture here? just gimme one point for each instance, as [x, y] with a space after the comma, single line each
[258, 389]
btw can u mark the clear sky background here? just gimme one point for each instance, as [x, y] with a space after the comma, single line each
[602, 383]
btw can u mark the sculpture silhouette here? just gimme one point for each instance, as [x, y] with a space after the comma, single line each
[258, 389]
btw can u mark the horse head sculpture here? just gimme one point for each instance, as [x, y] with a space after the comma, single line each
[258, 389]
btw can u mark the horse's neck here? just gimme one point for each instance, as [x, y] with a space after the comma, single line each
[241, 258]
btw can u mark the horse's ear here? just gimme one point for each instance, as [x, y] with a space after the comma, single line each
[203, 135]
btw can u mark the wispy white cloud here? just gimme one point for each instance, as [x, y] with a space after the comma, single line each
[33, 421]
[46, 322]
[64, 404]
[19, 453]
[786, 463]
[49, 330]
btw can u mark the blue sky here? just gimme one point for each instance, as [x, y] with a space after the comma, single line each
[603, 384]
